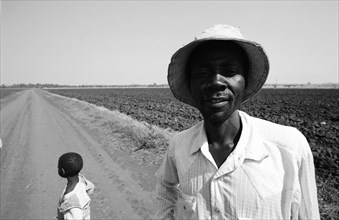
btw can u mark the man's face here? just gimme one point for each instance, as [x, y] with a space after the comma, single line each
[217, 82]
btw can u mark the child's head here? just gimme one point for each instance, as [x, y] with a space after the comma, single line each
[69, 164]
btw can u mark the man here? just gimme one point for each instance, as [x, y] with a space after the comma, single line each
[231, 165]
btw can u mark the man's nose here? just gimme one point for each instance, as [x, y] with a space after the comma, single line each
[217, 82]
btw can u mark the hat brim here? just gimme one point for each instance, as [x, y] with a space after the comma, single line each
[255, 78]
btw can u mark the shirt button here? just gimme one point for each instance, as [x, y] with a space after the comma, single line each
[217, 210]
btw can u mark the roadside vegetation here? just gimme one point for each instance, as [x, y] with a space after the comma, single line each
[8, 91]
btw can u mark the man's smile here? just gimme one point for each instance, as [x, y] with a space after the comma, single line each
[217, 102]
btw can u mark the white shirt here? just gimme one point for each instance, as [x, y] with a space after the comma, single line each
[75, 204]
[269, 175]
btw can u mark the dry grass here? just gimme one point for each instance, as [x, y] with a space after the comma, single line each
[146, 143]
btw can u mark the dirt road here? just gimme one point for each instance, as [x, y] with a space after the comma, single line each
[36, 128]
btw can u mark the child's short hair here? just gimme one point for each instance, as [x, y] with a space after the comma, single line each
[69, 164]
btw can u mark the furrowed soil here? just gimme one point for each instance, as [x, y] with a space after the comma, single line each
[36, 128]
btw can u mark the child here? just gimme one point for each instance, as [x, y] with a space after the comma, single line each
[74, 201]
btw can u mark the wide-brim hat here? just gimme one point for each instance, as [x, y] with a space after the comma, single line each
[255, 77]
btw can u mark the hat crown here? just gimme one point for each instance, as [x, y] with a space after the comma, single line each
[221, 31]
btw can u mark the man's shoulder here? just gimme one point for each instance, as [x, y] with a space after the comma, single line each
[272, 129]
[284, 137]
[281, 135]
[189, 133]
[265, 124]
[182, 142]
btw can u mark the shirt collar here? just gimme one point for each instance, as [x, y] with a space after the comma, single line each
[200, 138]
[252, 142]
[249, 147]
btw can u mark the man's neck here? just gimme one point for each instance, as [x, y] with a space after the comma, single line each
[223, 138]
[226, 133]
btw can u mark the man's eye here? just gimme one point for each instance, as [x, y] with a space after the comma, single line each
[230, 73]
[202, 73]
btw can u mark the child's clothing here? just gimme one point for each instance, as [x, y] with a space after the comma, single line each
[78, 198]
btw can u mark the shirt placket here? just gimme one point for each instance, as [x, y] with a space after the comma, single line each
[217, 203]
[220, 210]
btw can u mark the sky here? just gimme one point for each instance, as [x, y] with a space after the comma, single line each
[131, 42]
